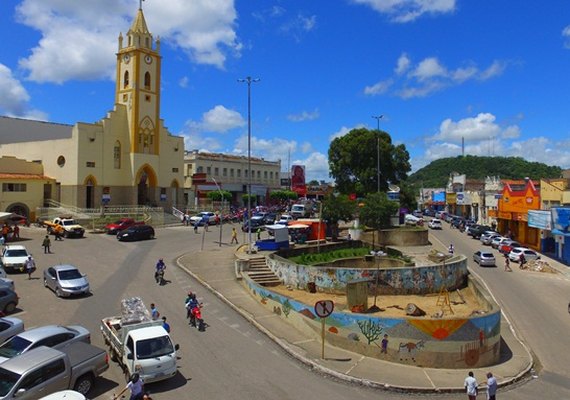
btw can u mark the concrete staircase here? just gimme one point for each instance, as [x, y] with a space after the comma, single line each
[261, 274]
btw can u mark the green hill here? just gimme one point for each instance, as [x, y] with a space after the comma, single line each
[436, 174]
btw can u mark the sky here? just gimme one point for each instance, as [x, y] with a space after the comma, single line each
[493, 73]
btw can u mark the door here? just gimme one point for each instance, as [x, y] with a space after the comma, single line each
[90, 194]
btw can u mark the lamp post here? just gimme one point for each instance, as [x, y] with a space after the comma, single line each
[376, 255]
[378, 118]
[222, 211]
[248, 80]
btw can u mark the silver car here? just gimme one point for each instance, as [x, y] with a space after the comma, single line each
[66, 280]
[55, 336]
[9, 327]
[484, 258]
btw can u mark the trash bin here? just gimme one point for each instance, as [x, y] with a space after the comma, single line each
[312, 287]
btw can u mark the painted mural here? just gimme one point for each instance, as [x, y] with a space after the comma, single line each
[391, 281]
[437, 343]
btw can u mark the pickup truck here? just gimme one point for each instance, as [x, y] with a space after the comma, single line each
[70, 227]
[138, 343]
[122, 224]
[44, 370]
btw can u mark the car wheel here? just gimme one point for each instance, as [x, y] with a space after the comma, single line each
[58, 292]
[83, 384]
[45, 282]
[65, 234]
[151, 236]
[10, 308]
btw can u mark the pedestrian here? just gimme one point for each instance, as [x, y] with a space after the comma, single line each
[16, 232]
[258, 233]
[195, 227]
[5, 231]
[521, 260]
[136, 386]
[154, 312]
[384, 344]
[30, 265]
[2, 240]
[58, 232]
[507, 264]
[165, 325]
[234, 236]
[46, 244]
[491, 386]
[206, 222]
[451, 249]
[471, 386]
[190, 303]
[159, 271]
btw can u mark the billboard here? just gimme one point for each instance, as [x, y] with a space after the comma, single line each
[298, 184]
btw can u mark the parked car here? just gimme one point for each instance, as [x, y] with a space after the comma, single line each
[66, 280]
[285, 219]
[417, 213]
[10, 326]
[13, 257]
[435, 224]
[497, 241]
[64, 395]
[515, 254]
[270, 218]
[8, 300]
[456, 222]
[4, 281]
[477, 230]
[484, 258]
[410, 219]
[256, 222]
[202, 217]
[486, 237]
[122, 224]
[440, 215]
[55, 336]
[507, 246]
[137, 232]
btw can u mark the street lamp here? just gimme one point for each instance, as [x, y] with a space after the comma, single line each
[378, 118]
[376, 255]
[248, 80]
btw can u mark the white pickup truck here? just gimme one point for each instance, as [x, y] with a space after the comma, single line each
[138, 343]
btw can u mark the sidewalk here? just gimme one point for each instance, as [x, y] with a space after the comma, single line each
[215, 270]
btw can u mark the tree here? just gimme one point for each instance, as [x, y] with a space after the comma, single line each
[408, 196]
[337, 208]
[247, 196]
[216, 195]
[314, 183]
[283, 195]
[377, 211]
[353, 161]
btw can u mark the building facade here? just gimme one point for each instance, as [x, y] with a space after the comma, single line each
[126, 158]
[206, 172]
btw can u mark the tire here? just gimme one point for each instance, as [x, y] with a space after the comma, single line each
[10, 308]
[58, 292]
[45, 283]
[65, 234]
[84, 384]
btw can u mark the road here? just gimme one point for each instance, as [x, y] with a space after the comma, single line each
[231, 360]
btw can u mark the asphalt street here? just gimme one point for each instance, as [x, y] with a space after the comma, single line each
[232, 360]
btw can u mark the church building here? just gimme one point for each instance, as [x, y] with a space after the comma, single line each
[126, 158]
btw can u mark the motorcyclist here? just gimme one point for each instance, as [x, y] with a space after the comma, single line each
[159, 272]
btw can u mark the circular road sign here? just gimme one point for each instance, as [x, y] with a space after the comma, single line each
[324, 308]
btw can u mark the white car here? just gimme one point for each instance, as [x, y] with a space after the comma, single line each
[529, 254]
[497, 241]
[285, 219]
[65, 395]
[10, 326]
[410, 219]
[484, 258]
[14, 257]
[488, 236]
[203, 216]
[435, 224]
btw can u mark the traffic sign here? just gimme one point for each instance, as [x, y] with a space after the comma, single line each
[324, 308]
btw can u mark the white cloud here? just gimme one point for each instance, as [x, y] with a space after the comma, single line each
[343, 131]
[316, 166]
[304, 116]
[463, 74]
[429, 68]
[299, 26]
[196, 141]
[403, 64]
[306, 147]
[219, 119]
[14, 99]
[482, 126]
[409, 10]
[203, 29]
[566, 36]
[183, 82]
[495, 69]
[378, 88]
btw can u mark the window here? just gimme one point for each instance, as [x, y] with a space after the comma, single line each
[14, 187]
[174, 169]
[147, 80]
[239, 173]
[147, 98]
[126, 79]
[200, 169]
[117, 155]
[231, 172]
[245, 173]
[90, 164]
[264, 174]
[258, 174]
[271, 175]
[225, 172]
[216, 171]
[209, 170]
[61, 161]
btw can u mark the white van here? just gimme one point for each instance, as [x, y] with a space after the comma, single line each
[300, 211]
[410, 219]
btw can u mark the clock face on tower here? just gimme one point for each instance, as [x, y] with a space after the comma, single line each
[148, 59]
[126, 58]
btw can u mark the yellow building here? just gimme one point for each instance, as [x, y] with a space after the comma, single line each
[554, 193]
[24, 186]
[126, 158]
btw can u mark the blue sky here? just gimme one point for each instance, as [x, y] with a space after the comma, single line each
[495, 73]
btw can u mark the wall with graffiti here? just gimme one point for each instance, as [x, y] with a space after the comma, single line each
[422, 341]
[392, 281]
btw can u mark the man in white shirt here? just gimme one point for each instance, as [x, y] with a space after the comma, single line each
[471, 386]
[491, 386]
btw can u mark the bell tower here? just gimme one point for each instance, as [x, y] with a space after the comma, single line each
[138, 85]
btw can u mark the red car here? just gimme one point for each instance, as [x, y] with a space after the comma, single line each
[122, 224]
[507, 246]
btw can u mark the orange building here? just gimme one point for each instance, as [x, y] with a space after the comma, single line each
[518, 197]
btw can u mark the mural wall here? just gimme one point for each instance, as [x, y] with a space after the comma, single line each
[392, 281]
[438, 343]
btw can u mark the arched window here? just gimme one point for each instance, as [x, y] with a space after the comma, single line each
[126, 79]
[117, 154]
[147, 81]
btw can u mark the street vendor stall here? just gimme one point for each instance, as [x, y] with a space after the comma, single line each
[279, 238]
[299, 232]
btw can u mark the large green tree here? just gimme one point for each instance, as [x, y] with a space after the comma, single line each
[353, 161]
[377, 210]
[337, 208]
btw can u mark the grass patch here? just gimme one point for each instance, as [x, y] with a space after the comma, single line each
[329, 256]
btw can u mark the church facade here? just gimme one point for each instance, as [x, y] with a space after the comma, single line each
[126, 158]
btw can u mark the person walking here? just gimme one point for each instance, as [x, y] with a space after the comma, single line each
[46, 244]
[471, 386]
[195, 227]
[58, 232]
[491, 386]
[451, 249]
[16, 232]
[159, 271]
[136, 386]
[165, 325]
[234, 236]
[258, 233]
[507, 264]
[154, 312]
[522, 261]
[30, 265]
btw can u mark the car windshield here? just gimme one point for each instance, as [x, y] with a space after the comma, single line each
[7, 381]
[16, 253]
[68, 222]
[487, 255]
[14, 346]
[119, 222]
[69, 274]
[155, 347]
